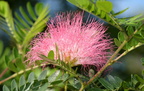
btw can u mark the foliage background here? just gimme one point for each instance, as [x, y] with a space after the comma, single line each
[130, 63]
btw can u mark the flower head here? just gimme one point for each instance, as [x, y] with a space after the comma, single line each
[78, 43]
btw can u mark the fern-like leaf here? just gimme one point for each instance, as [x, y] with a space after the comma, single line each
[6, 19]
[59, 63]
[101, 9]
[26, 24]
[55, 81]
[30, 22]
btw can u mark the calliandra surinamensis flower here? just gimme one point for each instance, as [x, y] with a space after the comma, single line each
[78, 43]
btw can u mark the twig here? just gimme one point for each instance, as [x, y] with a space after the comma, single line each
[109, 62]
[3, 72]
[125, 52]
[20, 72]
[112, 60]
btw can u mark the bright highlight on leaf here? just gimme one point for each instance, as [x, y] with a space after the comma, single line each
[104, 5]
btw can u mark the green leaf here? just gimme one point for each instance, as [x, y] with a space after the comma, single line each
[31, 11]
[139, 38]
[36, 85]
[131, 19]
[64, 77]
[121, 36]
[38, 8]
[95, 89]
[6, 13]
[1, 48]
[112, 81]
[74, 83]
[15, 53]
[82, 3]
[44, 87]
[42, 75]
[56, 82]
[5, 88]
[103, 14]
[25, 16]
[142, 32]
[7, 60]
[28, 22]
[104, 5]
[22, 81]
[19, 63]
[29, 86]
[130, 30]
[115, 81]
[14, 86]
[139, 79]
[117, 42]
[143, 74]
[142, 61]
[72, 87]
[51, 55]
[31, 77]
[39, 22]
[127, 46]
[108, 18]
[21, 21]
[133, 80]
[3, 9]
[106, 84]
[133, 42]
[12, 66]
[53, 77]
[118, 80]
[102, 9]
[120, 12]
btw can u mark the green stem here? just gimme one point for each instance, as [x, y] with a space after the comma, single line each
[82, 84]
[112, 60]
[65, 87]
[116, 23]
[82, 87]
[109, 62]
[64, 68]
[1, 75]
[125, 52]
[20, 72]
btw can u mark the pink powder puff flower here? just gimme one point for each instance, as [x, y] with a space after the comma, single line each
[78, 43]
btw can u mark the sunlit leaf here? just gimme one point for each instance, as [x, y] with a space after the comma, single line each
[31, 11]
[5, 88]
[121, 36]
[117, 42]
[56, 82]
[22, 81]
[43, 88]
[138, 78]
[39, 8]
[106, 84]
[31, 77]
[14, 86]
[53, 76]
[19, 63]
[12, 66]
[104, 5]
[120, 12]
[51, 55]
[42, 75]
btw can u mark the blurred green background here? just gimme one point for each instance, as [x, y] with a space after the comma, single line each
[129, 64]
